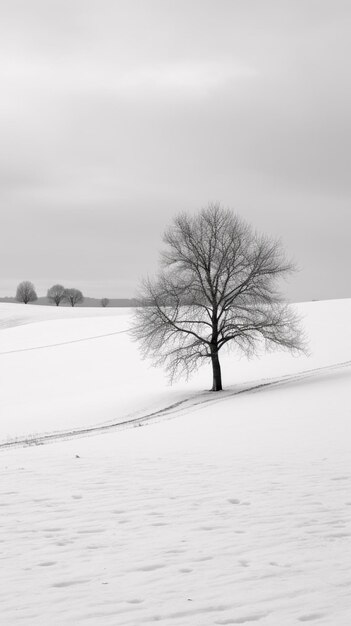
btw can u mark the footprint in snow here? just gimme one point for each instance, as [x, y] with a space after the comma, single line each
[242, 620]
[69, 583]
[135, 601]
[90, 531]
[150, 568]
[311, 617]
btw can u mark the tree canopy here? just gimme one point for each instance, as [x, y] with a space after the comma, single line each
[217, 287]
[73, 296]
[56, 294]
[26, 292]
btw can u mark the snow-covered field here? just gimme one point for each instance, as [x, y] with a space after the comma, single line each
[208, 509]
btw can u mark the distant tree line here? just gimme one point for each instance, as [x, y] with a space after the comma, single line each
[56, 295]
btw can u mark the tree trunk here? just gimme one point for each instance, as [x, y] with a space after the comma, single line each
[217, 376]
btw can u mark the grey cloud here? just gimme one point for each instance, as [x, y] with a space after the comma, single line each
[113, 120]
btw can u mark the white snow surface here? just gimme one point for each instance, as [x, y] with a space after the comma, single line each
[206, 509]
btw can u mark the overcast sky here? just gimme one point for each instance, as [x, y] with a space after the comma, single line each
[115, 115]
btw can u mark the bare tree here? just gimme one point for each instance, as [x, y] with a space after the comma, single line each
[73, 296]
[217, 287]
[26, 292]
[104, 302]
[56, 294]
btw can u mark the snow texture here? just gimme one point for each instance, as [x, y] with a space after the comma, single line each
[206, 509]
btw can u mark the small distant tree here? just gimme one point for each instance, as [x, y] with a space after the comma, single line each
[73, 296]
[217, 287]
[104, 302]
[56, 294]
[26, 292]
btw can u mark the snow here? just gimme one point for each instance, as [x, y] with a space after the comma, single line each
[230, 508]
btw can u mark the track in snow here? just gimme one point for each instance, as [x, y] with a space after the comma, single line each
[172, 410]
[65, 343]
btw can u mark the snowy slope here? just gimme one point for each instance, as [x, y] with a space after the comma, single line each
[235, 511]
[71, 371]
